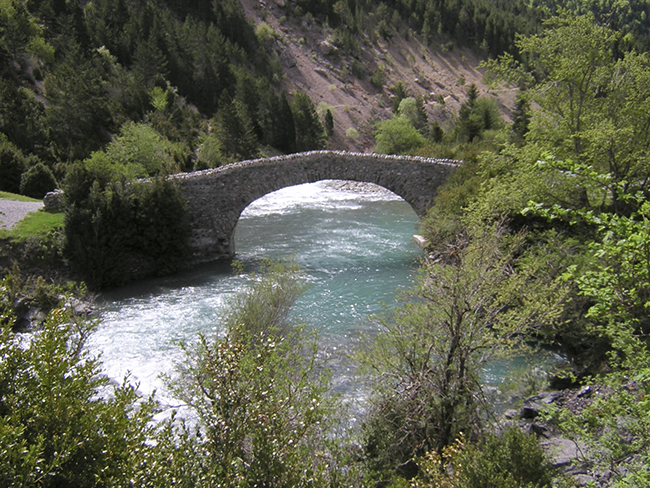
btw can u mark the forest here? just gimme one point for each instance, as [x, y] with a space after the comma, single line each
[540, 239]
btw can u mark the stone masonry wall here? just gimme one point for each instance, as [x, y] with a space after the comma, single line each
[217, 197]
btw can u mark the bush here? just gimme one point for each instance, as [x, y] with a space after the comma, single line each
[474, 302]
[55, 427]
[116, 231]
[398, 136]
[209, 153]
[378, 79]
[12, 165]
[512, 460]
[260, 394]
[37, 181]
[143, 149]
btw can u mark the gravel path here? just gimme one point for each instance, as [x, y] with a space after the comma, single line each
[12, 212]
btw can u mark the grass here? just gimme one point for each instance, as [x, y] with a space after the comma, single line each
[34, 224]
[13, 196]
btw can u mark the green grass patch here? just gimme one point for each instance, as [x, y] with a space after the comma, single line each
[34, 224]
[4, 195]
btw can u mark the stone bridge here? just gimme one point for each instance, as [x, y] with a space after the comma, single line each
[217, 197]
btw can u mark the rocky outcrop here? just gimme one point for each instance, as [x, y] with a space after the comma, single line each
[53, 201]
[565, 454]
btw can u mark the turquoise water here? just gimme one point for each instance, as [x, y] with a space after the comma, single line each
[355, 248]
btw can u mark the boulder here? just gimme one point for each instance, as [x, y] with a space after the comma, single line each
[53, 201]
[327, 48]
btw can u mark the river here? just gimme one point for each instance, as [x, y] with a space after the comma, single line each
[355, 248]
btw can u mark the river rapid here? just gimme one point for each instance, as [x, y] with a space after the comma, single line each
[354, 246]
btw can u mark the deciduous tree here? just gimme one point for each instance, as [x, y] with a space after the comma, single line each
[469, 307]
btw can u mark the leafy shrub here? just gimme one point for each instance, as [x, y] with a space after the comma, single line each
[12, 165]
[209, 153]
[260, 394]
[139, 146]
[55, 429]
[37, 181]
[116, 230]
[512, 460]
[473, 303]
[265, 34]
[398, 136]
[352, 133]
[378, 79]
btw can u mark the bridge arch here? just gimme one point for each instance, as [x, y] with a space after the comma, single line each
[217, 197]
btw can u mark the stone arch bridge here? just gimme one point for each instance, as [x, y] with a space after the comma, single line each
[217, 197]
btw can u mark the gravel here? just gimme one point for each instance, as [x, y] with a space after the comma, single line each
[12, 212]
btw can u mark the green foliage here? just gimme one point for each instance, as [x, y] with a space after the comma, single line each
[511, 460]
[398, 136]
[414, 111]
[476, 116]
[55, 428]
[235, 130]
[400, 92]
[614, 426]
[142, 151]
[378, 78]
[352, 133]
[329, 123]
[310, 133]
[521, 117]
[592, 103]
[470, 305]
[37, 181]
[12, 166]
[265, 34]
[260, 394]
[78, 113]
[209, 153]
[116, 230]
[159, 98]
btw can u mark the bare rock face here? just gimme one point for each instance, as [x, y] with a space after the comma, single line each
[281, 3]
[53, 201]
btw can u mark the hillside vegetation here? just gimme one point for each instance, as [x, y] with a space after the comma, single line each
[540, 239]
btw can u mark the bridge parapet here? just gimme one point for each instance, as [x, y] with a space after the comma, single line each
[217, 197]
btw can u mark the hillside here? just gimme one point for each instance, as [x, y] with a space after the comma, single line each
[311, 63]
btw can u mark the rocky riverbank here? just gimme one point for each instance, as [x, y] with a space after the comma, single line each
[567, 455]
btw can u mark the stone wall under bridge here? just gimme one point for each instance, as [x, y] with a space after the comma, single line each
[217, 197]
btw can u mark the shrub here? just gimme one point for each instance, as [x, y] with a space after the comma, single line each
[12, 165]
[398, 136]
[473, 303]
[260, 394]
[378, 79]
[352, 133]
[55, 427]
[37, 181]
[512, 460]
[116, 231]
